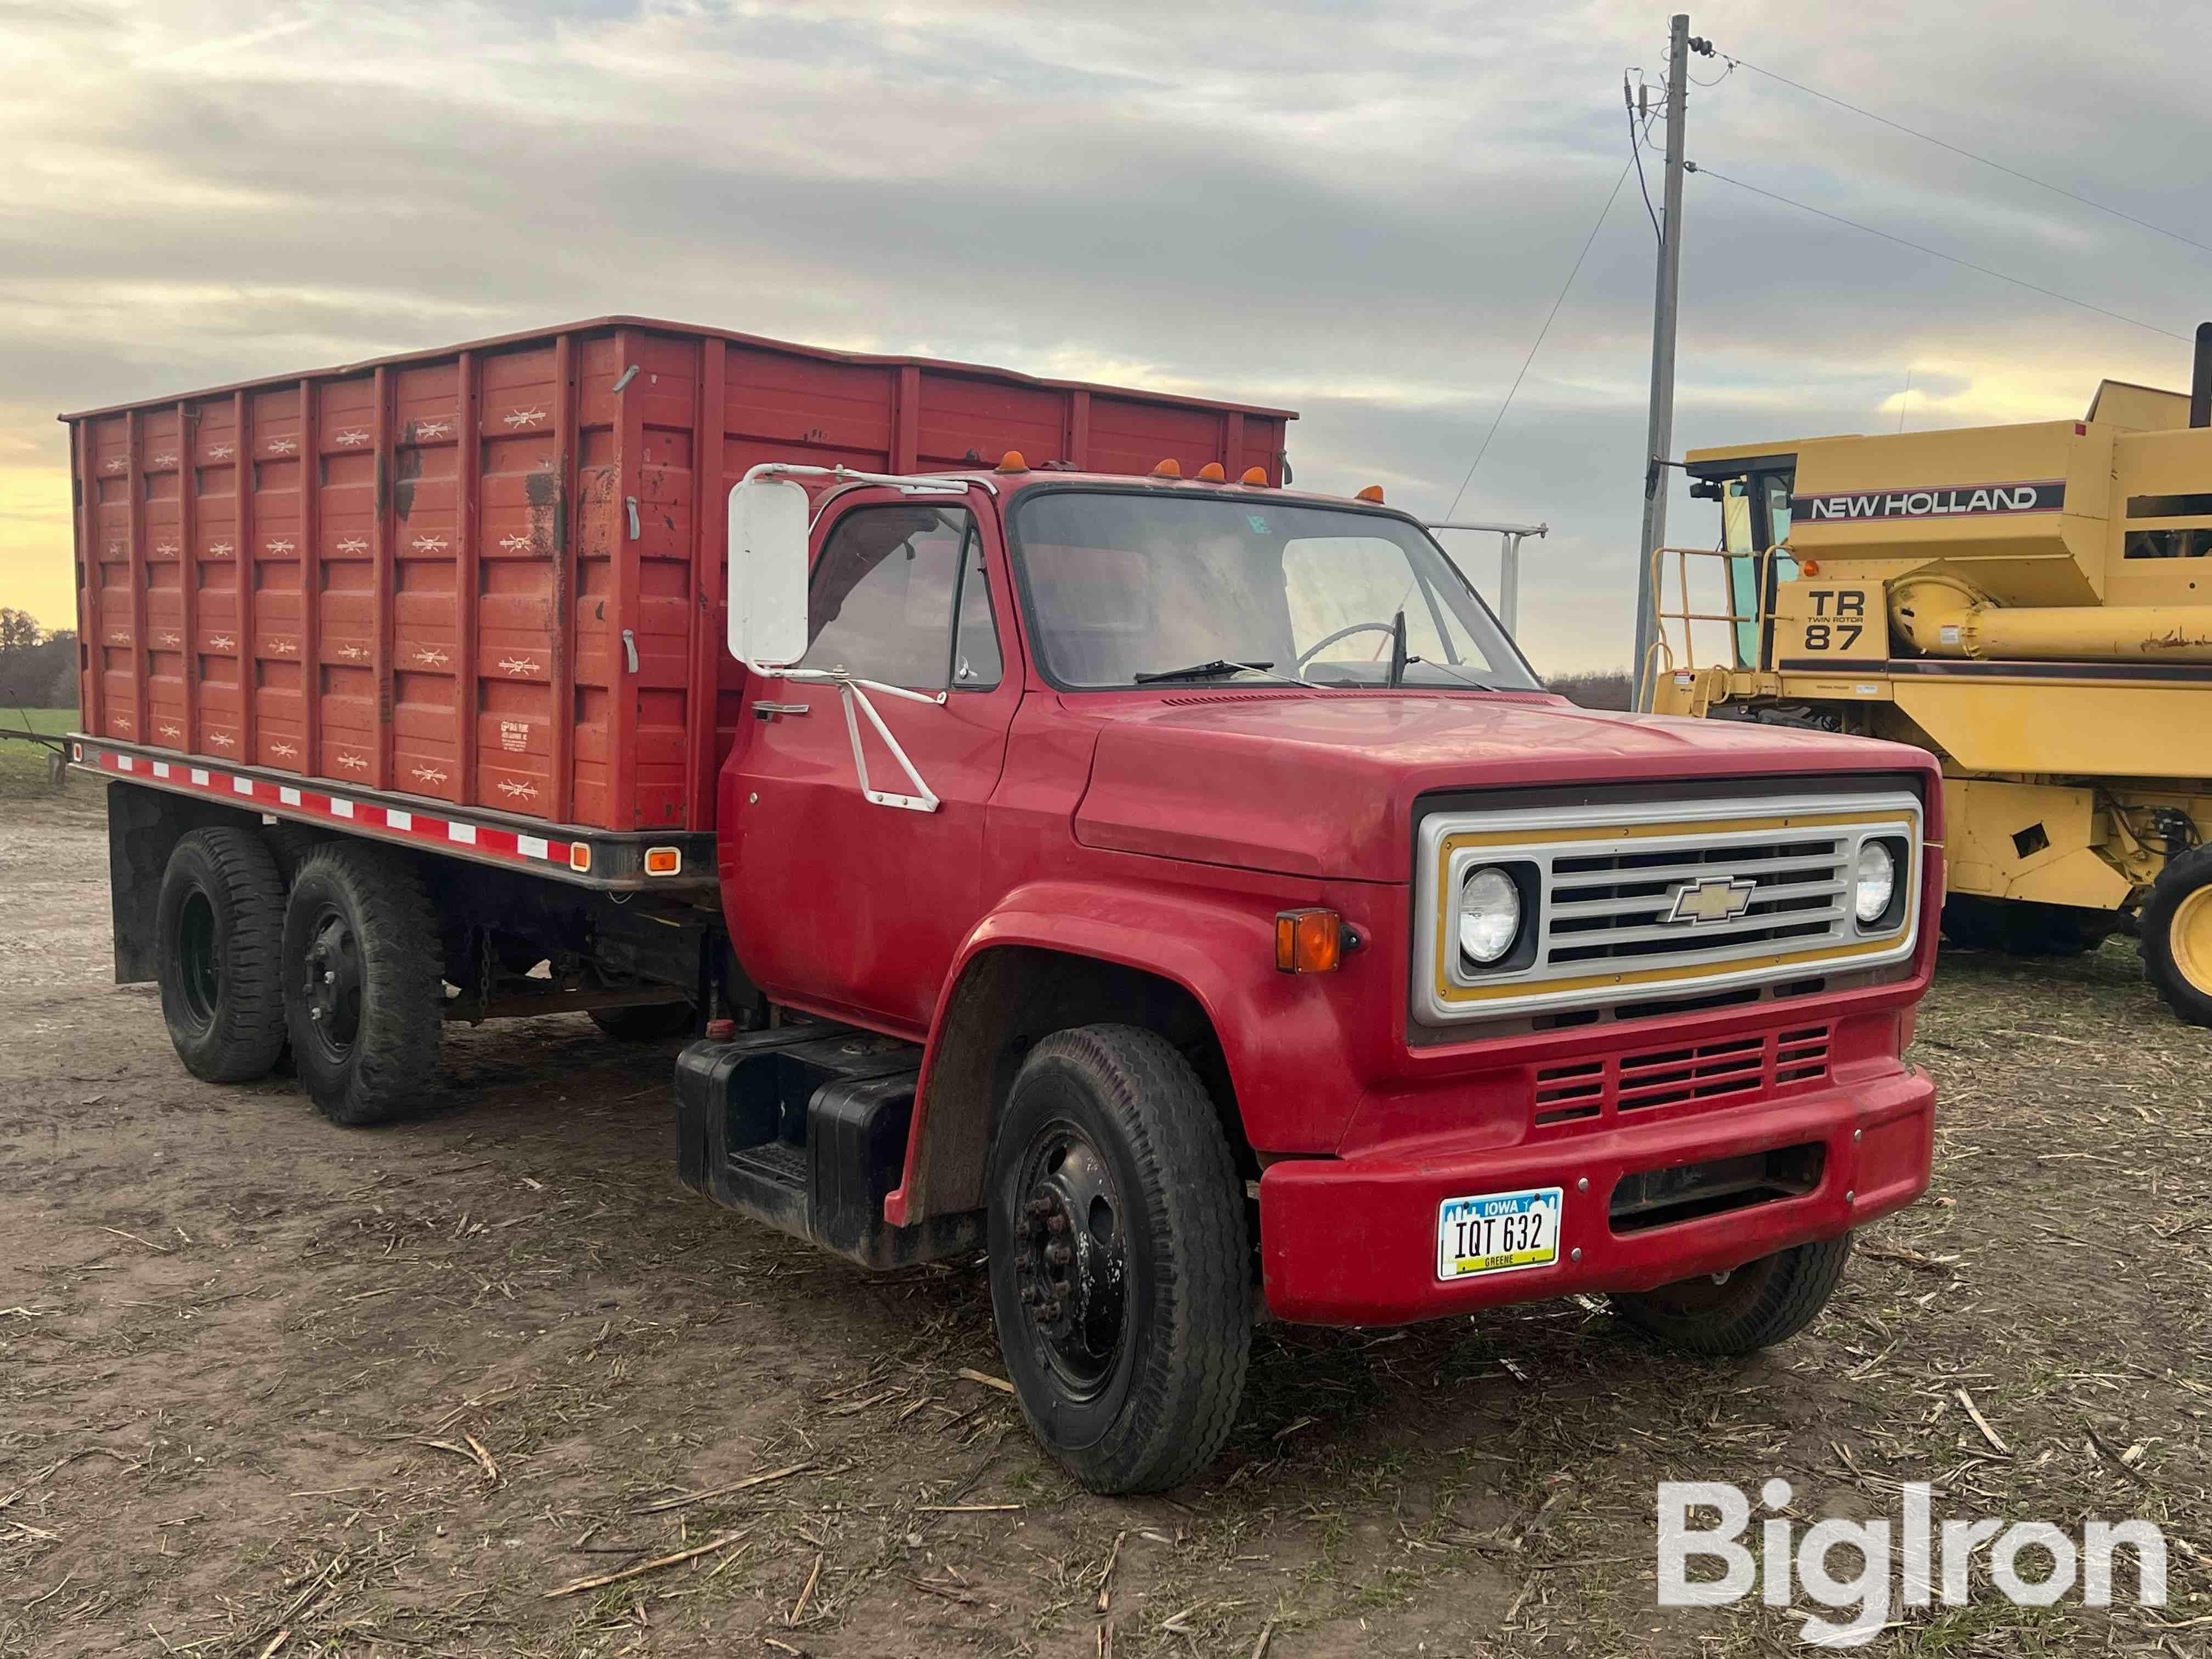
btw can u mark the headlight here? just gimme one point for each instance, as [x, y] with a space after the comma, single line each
[1489, 914]
[1877, 881]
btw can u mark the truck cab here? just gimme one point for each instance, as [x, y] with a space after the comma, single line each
[1248, 928]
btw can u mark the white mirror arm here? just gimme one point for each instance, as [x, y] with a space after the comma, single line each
[924, 799]
[852, 689]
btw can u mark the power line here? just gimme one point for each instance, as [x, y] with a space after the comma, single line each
[1930, 137]
[1609, 200]
[1921, 247]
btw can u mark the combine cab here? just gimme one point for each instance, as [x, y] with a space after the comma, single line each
[2033, 604]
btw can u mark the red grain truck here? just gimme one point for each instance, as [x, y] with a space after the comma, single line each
[1061, 839]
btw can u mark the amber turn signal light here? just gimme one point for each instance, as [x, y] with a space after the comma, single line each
[663, 860]
[580, 857]
[1170, 468]
[1311, 941]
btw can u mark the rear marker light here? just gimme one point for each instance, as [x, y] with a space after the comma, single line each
[580, 857]
[663, 860]
[1312, 941]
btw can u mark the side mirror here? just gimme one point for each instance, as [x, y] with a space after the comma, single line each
[768, 572]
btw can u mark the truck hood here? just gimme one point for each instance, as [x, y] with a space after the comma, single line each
[1323, 785]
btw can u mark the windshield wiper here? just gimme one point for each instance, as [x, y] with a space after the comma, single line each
[1206, 671]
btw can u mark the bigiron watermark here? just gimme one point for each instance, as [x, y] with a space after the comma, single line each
[1936, 1562]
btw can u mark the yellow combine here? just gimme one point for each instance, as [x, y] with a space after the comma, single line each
[2033, 604]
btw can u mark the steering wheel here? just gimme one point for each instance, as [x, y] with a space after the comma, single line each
[1322, 645]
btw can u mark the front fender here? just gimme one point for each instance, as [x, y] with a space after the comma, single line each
[1286, 1038]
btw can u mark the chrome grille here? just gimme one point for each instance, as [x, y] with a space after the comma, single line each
[1669, 898]
[1617, 906]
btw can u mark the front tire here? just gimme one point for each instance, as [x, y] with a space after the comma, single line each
[2175, 935]
[363, 1001]
[1758, 1305]
[218, 924]
[1120, 1259]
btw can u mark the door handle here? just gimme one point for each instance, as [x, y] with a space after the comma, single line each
[762, 711]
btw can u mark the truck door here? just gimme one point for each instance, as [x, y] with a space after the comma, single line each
[839, 902]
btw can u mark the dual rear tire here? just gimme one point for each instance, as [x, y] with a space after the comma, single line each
[342, 964]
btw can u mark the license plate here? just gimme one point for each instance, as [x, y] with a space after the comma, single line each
[1497, 1232]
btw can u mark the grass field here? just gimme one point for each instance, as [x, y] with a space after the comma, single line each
[23, 765]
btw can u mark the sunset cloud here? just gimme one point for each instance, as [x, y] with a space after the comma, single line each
[1362, 213]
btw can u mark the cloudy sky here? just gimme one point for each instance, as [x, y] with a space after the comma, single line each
[1362, 213]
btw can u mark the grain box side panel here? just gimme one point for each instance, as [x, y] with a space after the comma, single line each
[1127, 435]
[427, 715]
[344, 670]
[595, 618]
[161, 639]
[112, 485]
[212, 547]
[966, 421]
[276, 688]
[521, 542]
[659, 604]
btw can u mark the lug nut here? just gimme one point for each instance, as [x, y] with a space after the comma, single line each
[1060, 1256]
[1057, 1224]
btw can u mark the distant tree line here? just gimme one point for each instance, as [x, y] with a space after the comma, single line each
[1605, 688]
[38, 669]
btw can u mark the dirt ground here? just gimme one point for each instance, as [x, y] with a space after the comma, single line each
[270, 1387]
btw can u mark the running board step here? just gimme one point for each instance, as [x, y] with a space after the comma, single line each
[805, 1127]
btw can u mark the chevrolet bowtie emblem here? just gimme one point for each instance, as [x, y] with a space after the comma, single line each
[1714, 899]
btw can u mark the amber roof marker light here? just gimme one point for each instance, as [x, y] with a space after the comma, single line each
[1372, 493]
[1170, 468]
[1256, 476]
[1212, 472]
[1013, 461]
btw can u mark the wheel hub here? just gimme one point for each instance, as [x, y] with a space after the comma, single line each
[2190, 938]
[331, 983]
[1071, 1260]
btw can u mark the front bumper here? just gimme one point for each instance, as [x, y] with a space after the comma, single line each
[1352, 1241]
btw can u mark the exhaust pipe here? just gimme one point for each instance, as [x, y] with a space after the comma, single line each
[2200, 378]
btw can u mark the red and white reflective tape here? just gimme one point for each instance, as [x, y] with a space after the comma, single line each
[289, 801]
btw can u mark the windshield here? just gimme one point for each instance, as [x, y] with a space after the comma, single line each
[1124, 586]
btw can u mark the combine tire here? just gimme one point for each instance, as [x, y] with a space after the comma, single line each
[1119, 1258]
[218, 923]
[1760, 1304]
[362, 997]
[2175, 935]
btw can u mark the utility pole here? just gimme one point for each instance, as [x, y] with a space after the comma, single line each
[1660, 442]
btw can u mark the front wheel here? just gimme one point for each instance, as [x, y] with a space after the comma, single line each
[1758, 1305]
[2175, 935]
[1120, 1259]
[363, 999]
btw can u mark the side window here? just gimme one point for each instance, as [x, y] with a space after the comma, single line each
[885, 595]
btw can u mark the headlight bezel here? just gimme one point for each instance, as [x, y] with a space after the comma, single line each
[1521, 950]
[1890, 916]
